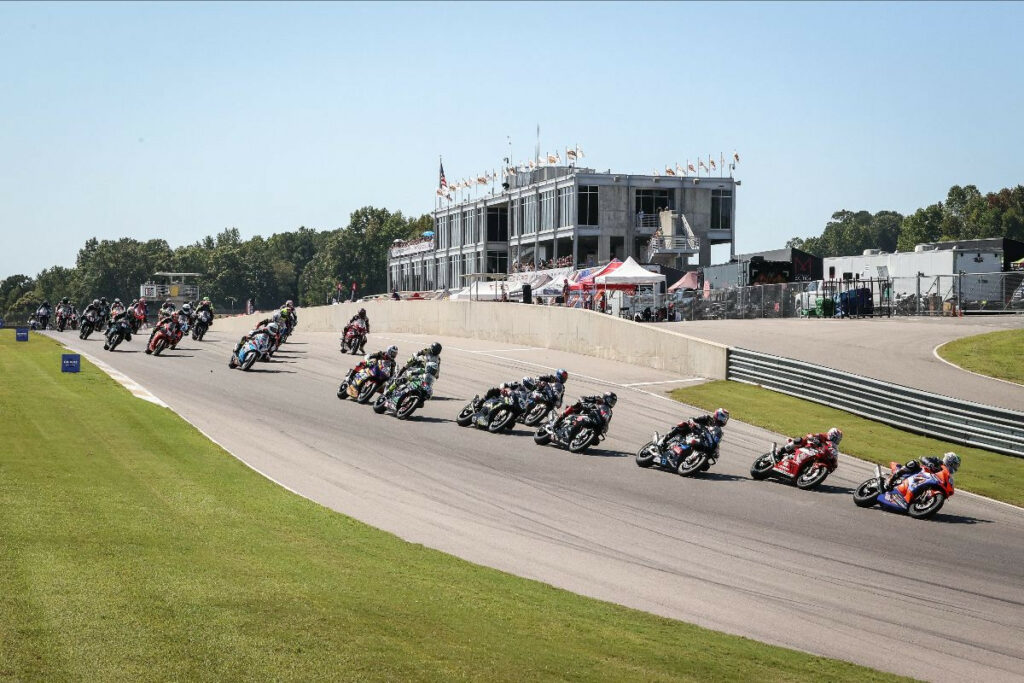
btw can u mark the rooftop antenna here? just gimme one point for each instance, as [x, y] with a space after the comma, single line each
[536, 154]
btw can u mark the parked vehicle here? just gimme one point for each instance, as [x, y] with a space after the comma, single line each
[806, 467]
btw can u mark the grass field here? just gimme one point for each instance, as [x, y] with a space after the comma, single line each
[131, 547]
[990, 474]
[996, 354]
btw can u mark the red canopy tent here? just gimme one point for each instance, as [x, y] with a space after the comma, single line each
[588, 281]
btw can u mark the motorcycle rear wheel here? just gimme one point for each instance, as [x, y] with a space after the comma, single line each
[866, 494]
[500, 419]
[465, 418]
[536, 415]
[542, 437]
[691, 464]
[581, 441]
[645, 456]
[366, 392]
[762, 467]
[811, 476]
[407, 406]
[379, 406]
[924, 506]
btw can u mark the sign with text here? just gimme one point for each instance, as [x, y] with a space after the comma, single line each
[21, 334]
[70, 362]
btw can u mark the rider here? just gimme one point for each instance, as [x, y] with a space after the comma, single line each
[116, 309]
[420, 360]
[206, 305]
[165, 315]
[829, 440]
[94, 307]
[104, 311]
[694, 425]
[388, 354]
[115, 317]
[929, 463]
[43, 313]
[361, 315]
[267, 327]
[608, 398]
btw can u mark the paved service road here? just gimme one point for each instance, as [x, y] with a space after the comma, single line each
[896, 350]
[940, 599]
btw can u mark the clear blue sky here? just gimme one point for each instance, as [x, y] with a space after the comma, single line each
[178, 120]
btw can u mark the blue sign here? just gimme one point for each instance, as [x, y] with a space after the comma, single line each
[1, 323]
[21, 334]
[70, 362]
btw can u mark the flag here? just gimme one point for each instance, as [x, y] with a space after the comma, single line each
[736, 157]
[552, 158]
[679, 169]
[669, 171]
[690, 167]
[570, 154]
[712, 162]
[701, 164]
[579, 152]
[533, 164]
[442, 183]
[481, 179]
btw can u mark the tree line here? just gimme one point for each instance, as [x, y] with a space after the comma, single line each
[303, 265]
[966, 214]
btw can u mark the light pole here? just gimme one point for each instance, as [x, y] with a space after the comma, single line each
[232, 300]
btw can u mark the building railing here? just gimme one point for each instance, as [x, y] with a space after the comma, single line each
[673, 244]
[409, 248]
[647, 220]
[156, 291]
[922, 412]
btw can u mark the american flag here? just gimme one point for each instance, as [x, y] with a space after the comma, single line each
[442, 182]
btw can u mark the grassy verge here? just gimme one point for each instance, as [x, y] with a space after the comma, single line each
[990, 474]
[996, 354]
[131, 547]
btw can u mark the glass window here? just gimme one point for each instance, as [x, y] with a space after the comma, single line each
[547, 210]
[497, 224]
[653, 201]
[565, 214]
[497, 262]
[530, 214]
[587, 206]
[721, 209]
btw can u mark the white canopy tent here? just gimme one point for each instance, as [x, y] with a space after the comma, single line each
[630, 273]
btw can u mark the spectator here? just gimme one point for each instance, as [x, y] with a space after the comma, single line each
[603, 302]
[565, 291]
[395, 295]
[353, 291]
[586, 298]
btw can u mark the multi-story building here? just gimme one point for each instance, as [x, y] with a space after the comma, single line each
[560, 214]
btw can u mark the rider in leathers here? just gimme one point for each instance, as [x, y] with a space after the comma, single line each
[608, 398]
[420, 360]
[929, 463]
[115, 318]
[694, 425]
[389, 354]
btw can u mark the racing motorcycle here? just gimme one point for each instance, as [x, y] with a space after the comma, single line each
[496, 413]
[203, 319]
[404, 395]
[117, 332]
[165, 336]
[541, 403]
[63, 319]
[367, 380]
[807, 467]
[920, 494]
[255, 348]
[137, 318]
[695, 452]
[88, 325]
[577, 431]
[355, 338]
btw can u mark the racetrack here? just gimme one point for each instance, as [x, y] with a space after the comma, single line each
[940, 600]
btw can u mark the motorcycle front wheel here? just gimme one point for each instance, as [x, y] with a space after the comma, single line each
[691, 463]
[465, 418]
[379, 405]
[541, 437]
[811, 476]
[250, 358]
[581, 441]
[762, 467]
[927, 504]
[645, 456]
[343, 391]
[866, 494]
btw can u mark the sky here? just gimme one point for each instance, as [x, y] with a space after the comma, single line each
[179, 120]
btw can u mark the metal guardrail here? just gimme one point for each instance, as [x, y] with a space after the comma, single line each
[942, 417]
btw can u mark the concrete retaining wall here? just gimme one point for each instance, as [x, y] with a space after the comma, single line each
[575, 330]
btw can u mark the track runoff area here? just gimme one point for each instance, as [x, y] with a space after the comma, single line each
[808, 570]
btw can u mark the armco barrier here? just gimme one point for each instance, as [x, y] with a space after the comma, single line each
[579, 331]
[972, 424]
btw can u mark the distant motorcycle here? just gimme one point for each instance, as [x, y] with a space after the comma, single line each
[541, 402]
[578, 431]
[496, 413]
[88, 325]
[806, 467]
[203, 319]
[686, 456]
[254, 349]
[354, 338]
[919, 495]
[165, 336]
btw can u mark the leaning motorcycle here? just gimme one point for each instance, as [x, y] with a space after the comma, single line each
[163, 337]
[919, 495]
[118, 332]
[203, 319]
[496, 413]
[255, 348]
[578, 431]
[367, 380]
[354, 339]
[403, 396]
[62, 320]
[88, 325]
[541, 403]
[806, 467]
[693, 453]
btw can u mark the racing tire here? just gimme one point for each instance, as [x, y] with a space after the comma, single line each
[343, 391]
[925, 506]
[645, 456]
[366, 392]
[250, 359]
[582, 440]
[113, 344]
[762, 467]
[500, 420]
[378, 406]
[536, 415]
[231, 363]
[866, 494]
[407, 406]
[691, 464]
[465, 418]
[542, 437]
[160, 346]
[811, 476]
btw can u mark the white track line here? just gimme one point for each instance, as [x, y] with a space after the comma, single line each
[935, 352]
[136, 389]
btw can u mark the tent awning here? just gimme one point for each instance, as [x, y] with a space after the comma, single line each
[688, 281]
[630, 273]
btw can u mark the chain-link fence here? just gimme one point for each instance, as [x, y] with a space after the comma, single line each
[921, 295]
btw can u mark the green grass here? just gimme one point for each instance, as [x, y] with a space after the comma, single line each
[996, 354]
[989, 474]
[131, 547]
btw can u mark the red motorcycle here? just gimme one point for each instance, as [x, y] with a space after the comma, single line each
[807, 467]
[165, 336]
[355, 338]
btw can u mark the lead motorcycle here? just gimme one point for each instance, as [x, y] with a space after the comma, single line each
[578, 431]
[695, 452]
[354, 338]
[920, 494]
[496, 413]
[806, 467]
[408, 392]
[367, 380]
[117, 332]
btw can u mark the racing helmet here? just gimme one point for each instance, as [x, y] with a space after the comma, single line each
[435, 348]
[610, 399]
[64, 300]
[835, 435]
[529, 383]
[103, 299]
[362, 312]
[116, 300]
[185, 308]
[95, 302]
[272, 328]
[46, 302]
[206, 299]
[289, 303]
[721, 417]
[562, 375]
[392, 352]
[952, 462]
[285, 313]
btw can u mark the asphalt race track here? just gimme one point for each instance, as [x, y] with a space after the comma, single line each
[939, 600]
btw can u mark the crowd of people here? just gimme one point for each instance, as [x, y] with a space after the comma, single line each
[527, 266]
